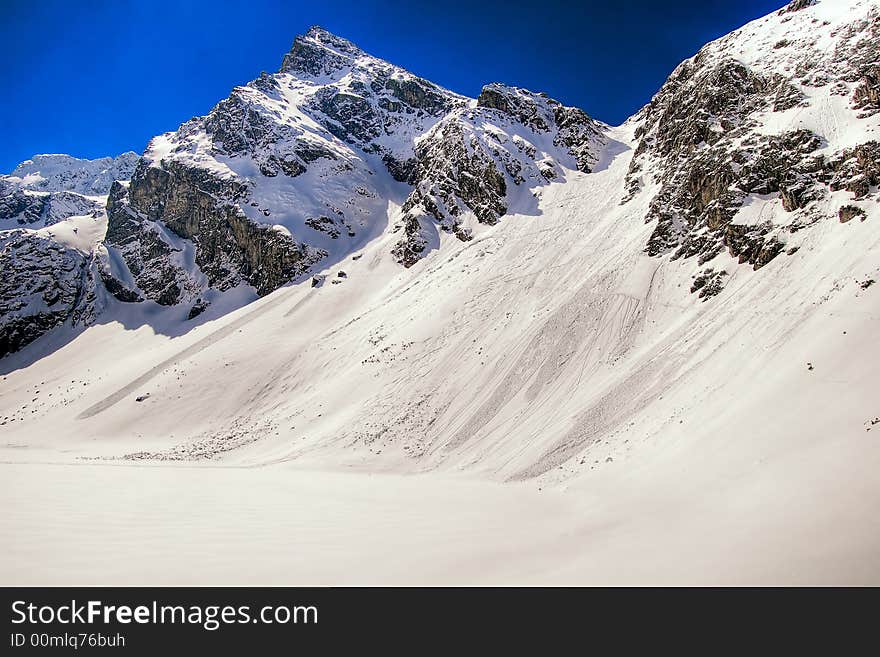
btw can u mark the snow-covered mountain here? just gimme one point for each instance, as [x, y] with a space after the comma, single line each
[300, 169]
[50, 188]
[345, 265]
[63, 173]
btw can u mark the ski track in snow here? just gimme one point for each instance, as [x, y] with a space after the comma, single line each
[189, 352]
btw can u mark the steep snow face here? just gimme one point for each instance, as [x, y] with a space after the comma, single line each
[63, 173]
[764, 134]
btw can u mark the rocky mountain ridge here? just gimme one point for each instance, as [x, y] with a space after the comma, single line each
[302, 168]
[63, 173]
[297, 167]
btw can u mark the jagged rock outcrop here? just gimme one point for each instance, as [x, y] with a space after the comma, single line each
[463, 165]
[704, 146]
[849, 212]
[43, 285]
[414, 242]
[855, 170]
[867, 94]
[708, 283]
[152, 259]
[570, 127]
[229, 248]
[48, 280]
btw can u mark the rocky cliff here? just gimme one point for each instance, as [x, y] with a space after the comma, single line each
[44, 284]
[51, 220]
[754, 122]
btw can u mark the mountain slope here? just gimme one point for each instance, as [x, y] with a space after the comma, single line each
[566, 302]
[673, 320]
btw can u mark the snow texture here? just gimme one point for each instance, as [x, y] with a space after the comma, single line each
[577, 406]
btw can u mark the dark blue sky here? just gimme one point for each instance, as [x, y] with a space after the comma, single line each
[96, 77]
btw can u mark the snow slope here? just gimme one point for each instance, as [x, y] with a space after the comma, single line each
[570, 410]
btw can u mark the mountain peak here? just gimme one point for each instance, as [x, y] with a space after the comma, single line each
[319, 52]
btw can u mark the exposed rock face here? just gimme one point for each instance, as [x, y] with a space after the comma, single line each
[226, 247]
[709, 283]
[43, 285]
[455, 173]
[24, 208]
[797, 5]
[241, 126]
[229, 248]
[571, 127]
[704, 146]
[471, 159]
[411, 247]
[47, 281]
[849, 212]
[199, 306]
[150, 256]
[700, 132]
[317, 53]
[855, 170]
[867, 94]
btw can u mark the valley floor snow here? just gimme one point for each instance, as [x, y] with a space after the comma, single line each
[276, 525]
